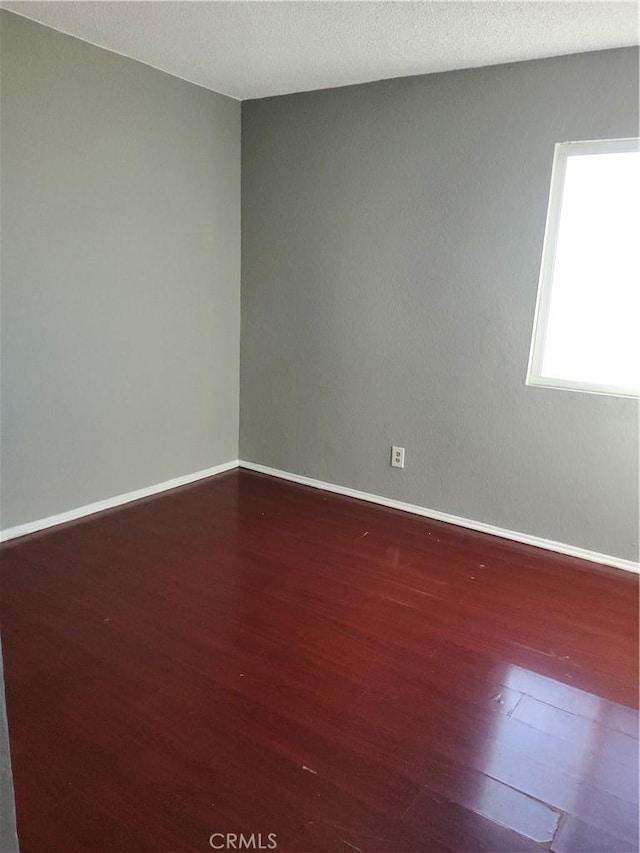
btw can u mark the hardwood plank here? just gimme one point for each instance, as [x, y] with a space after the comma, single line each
[489, 798]
[437, 818]
[576, 836]
[247, 655]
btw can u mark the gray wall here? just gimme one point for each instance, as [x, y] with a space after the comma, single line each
[392, 235]
[120, 274]
[391, 247]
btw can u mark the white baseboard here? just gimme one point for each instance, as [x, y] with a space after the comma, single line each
[415, 509]
[525, 538]
[110, 503]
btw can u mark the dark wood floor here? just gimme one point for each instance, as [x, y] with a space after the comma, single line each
[249, 656]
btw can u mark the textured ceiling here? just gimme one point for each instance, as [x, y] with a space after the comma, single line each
[255, 49]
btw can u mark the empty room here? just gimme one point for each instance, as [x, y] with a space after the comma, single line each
[319, 447]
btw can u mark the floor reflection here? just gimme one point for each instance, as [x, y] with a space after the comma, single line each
[570, 752]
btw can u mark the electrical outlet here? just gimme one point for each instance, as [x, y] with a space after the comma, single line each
[397, 457]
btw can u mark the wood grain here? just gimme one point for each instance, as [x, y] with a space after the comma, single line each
[246, 655]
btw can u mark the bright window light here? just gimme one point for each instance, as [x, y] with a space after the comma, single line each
[587, 329]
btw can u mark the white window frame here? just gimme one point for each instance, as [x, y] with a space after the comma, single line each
[543, 302]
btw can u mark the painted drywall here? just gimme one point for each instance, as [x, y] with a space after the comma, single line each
[120, 274]
[391, 243]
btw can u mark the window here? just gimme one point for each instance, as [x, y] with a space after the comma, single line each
[586, 334]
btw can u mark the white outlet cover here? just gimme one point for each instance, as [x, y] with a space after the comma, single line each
[397, 457]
